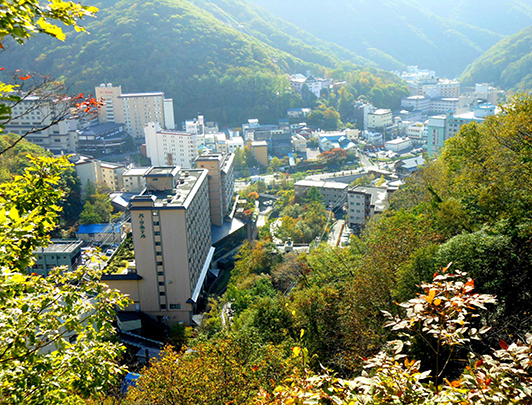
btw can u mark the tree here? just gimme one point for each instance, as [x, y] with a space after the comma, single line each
[54, 331]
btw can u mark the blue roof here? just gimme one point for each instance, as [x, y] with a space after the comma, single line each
[99, 228]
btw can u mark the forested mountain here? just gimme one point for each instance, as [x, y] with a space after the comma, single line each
[442, 35]
[507, 64]
[230, 65]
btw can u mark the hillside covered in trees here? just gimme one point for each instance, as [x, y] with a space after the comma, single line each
[442, 35]
[285, 318]
[224, 59]
[508, 64]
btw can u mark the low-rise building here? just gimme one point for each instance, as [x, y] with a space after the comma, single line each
[363, 203]
[105, 234]
[334, 193]
[299, 143]
[133, 179]
[298, 112]
[102, 138]
[398, 145]
[96, 171]
[35, 115]
[60, 252]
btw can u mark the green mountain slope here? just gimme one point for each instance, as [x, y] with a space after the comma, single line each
[503, 17]
[206, 64]
[408, 31]
[507, 64]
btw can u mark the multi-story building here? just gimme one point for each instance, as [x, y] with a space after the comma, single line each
[234, 143]
[380, 118]
[443, 127]
[334, 193]
[260, 152]
[221, 183]
[172, 239]
[170, 148]
[133, 179]
[363, 203]
[60, 252]
[314, 84]
[94, 170]
[299, 143]
[134, 109]
[200, 126]
[112, 175]
[32, 114]
[416, 103]
[442, 105]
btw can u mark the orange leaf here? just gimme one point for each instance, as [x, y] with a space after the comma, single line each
[503, 344]
[25, 77]
[437, 301]
[1, 46]
[469, 286]
[456, 384]
[430, 297]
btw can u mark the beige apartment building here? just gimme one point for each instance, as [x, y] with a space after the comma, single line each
[221, 183]
[134, 109]
[172, 239]
[94, 170]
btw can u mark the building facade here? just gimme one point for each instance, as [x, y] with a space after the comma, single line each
[134, 109]
[363, 203]
[170, 148]
[221, 183]
[172, 240]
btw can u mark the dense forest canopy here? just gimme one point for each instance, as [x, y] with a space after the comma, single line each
[508, 64]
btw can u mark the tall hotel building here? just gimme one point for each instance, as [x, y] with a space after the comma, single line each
[172, 239]
[135, 109]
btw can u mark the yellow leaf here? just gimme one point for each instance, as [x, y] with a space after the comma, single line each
[302, 333]
[437, 301]
[51, 29]
[296, 350]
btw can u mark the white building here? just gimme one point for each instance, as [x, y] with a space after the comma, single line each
[398, 145]
[34, 114]
[415, 130]
[170, 148]
[299, 143]
[234, 143]
[380, 118]
[444, 105]
[416, 103]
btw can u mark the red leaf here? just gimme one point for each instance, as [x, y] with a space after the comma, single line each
[2, 68]
[25, 77]
[1, 46]
[503, 344]
[479, 363]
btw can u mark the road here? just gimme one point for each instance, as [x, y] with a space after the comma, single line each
[336, 231]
